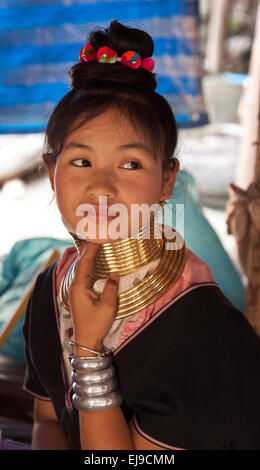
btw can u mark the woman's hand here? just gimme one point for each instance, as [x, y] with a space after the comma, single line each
[92, 314]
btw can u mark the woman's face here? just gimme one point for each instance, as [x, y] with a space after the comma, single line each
[106, 162]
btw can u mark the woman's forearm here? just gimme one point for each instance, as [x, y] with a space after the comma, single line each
[47, 435]
[102, 429]
[93, 315]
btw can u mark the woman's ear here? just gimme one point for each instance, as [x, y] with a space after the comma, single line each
[169, 178]
[50, 165]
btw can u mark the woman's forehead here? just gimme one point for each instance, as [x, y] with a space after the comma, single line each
[111, 124]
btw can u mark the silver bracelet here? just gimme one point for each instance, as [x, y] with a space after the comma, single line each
[99, 376]
[93, 390]
[89, 363]
[83, 403]
[99, 354]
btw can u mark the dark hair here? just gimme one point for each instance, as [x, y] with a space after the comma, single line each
[97, 87]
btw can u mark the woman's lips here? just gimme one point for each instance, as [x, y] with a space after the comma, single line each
[99, 214]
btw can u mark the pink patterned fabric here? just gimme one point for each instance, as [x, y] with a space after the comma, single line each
[69, 255]
[195, 271]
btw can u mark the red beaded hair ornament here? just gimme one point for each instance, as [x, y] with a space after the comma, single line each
[107, 55]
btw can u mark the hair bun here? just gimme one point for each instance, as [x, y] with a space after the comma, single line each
[120, 38]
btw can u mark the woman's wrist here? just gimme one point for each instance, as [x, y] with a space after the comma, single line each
[96, 345]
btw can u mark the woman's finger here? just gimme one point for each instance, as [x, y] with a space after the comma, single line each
[109, 295]
[84, 265]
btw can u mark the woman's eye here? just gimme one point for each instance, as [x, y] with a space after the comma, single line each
[133, 165]
[84, 161]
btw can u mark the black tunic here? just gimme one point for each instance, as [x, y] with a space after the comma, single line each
[190, 377]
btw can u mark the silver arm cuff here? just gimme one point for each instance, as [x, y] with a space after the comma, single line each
[93, 390]
[90, 363]
[98, 376]
[97, 403]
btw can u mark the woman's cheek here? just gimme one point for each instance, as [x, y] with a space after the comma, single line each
[65, 199]
[148, 193]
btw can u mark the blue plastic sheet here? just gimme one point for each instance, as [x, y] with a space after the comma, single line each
[17, 269]
[41, 39]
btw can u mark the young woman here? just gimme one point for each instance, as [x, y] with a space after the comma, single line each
[130, 344]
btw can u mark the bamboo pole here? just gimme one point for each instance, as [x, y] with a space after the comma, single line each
[253, 262]
[8, 326]
[249, 115]
[216, 34]
[248, 172]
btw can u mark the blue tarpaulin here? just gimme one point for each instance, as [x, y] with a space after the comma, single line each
[40, 40]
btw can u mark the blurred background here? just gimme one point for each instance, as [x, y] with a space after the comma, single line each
[207, 60]
[202, 64]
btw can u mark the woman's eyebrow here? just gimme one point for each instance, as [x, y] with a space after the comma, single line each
[78, 145]
[132, 145]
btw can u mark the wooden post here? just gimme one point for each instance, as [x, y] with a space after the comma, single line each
[216, 34]
[248, 111]
[253, 262]
[249, 171]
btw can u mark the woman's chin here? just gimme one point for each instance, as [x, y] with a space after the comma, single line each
[101, 232]
[101, 241]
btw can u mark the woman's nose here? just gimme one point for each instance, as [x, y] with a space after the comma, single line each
[103, 183]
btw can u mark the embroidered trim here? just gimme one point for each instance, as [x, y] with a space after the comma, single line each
[67, 397]
[151, 439]
[156, 315]
[36, 394]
